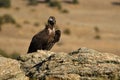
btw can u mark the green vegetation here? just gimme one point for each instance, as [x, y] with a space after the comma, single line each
[5, 3]
[14, 55]
[67, 31]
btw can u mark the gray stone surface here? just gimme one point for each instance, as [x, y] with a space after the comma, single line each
[81, 64]
[10, 70]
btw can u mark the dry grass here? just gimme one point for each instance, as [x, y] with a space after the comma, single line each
[81, 20]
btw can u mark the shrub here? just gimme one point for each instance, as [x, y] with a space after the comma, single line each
[97, 37]
[47, 0]
[0, 28]
[72, 1]
[36, 24]
[75, 2]
[17, 8]
[96, 29]
[55, 4]
[8, 19]
[5, 3]
[97, 32]
[0, 23]
[18, 26]
[0, 20]
[32, 2]
[65, 11]
[67, 31]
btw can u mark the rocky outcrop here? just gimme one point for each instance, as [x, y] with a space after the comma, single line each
[10, 70]
[82, 64]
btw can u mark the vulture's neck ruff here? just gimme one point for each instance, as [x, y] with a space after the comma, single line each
[50, 29]
[51, 26]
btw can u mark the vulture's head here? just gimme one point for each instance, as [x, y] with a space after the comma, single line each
[52, 20]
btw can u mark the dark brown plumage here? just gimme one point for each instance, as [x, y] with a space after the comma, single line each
[45, 39]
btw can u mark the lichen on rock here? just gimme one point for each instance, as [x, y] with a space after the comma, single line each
[81, 64]
[10, 70]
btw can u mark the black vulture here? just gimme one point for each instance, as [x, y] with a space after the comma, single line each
[45, 39]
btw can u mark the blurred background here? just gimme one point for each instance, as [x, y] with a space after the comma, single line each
[84, 23]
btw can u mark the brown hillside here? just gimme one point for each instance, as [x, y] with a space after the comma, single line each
[81, 21]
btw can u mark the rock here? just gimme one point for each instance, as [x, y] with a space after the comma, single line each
[10, 70]
[81, 64]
